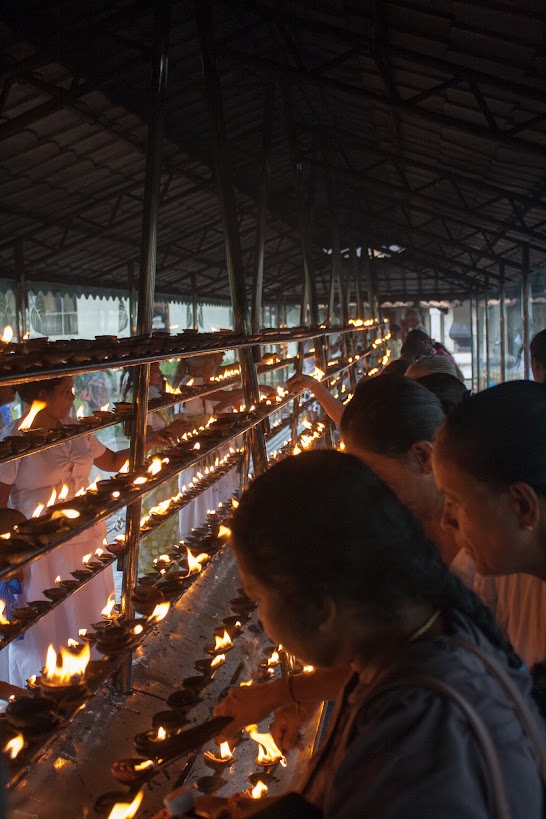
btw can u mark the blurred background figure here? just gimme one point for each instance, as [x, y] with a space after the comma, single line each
[538, 357]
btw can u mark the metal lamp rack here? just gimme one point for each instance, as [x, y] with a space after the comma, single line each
[104, 671]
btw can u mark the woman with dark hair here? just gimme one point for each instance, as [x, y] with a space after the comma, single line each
[447, 388]
[400, 742]
[490, 464]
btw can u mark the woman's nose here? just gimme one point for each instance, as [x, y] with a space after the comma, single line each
[449, 521]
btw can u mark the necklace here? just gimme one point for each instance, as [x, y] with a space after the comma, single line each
[425, 627]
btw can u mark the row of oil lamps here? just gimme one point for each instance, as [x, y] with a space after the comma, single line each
[69, 675]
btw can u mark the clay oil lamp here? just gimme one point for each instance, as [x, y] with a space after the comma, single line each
[208, 666]
[24, 614]
[209, 784]
[218, 762]
[258, 790]
[91, 564]
[118, 805]
[103, 556]
[7, 627]
[145, 599]
[268, 753]
[32, 715]
[109, 614]
[67, 585]
[56, 592]
[183, 699]
[195, 684]
[64, 674]
[234, 622]
[241, 605]
[40, 606]
[170, 720]
[153, 743]
[265, 777]
[132, 771]
[222, 643]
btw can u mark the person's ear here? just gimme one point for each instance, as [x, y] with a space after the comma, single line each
[421, 452]
[526, 505]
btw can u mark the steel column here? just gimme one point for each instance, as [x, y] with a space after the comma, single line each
[486, 327]
[194, 304]
[146, 301]
[305, 234]
[478, 343]
[525, 297]
[259, 258]
[21, 291]
[356, 278]
[133, 298]
[234, 256]
[502, 323]
[472, 344]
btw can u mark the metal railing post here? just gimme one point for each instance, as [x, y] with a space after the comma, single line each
[525, 315]
[502, 322]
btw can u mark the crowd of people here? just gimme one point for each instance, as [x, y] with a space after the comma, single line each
[411, 574]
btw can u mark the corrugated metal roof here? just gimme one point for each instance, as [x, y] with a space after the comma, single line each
[429, 115]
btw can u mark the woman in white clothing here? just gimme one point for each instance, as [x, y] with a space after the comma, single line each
[27, 482]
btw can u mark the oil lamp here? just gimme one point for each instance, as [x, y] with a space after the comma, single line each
[64, 674]
[208, 667]
[126, 810]
[222, 644]
[219, 761]
[268, 753]
[209, 784]
[130, 771]
[32, 715]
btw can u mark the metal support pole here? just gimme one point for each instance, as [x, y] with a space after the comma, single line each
[146, 302]
[133, 298]
[356, 278]
[502, 323]
[526, 322]
[478, 344]
[306, 244]
[472, 344]
[194, 304]
[259, 257]
[234, 256]
[486, 327]
[21, 292]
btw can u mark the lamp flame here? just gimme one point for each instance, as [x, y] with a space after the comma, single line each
[222, 642]
[221, 658]
[3, 620]
[268, 753]
[259, 790]
[159, 613]
[71, 514]
[274, 659]
[235, 503]
[317, 374]
[224, 531]
[109, 607]
[37, 406]
[52, 497]
[7, 335]
[124, 810]
[14, 746]
[144, 766]
[155, 466]
[161, 733]
[86, 559]
[63, 494]
[195, 564]
[71, 669]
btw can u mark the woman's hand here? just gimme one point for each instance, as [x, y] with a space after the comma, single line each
[288, 723]
[301, 381]
[236, 807]
[250, 704]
